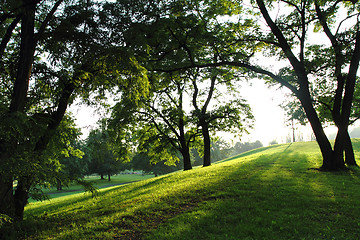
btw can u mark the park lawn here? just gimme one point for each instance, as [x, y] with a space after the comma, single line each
[75, 188]
[268, 193]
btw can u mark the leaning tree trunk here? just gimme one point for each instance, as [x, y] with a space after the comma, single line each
[18, 99]
[24, 183]
[331, 161]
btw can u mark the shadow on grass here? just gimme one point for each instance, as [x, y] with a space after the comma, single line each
[273, 196]
[280, 198]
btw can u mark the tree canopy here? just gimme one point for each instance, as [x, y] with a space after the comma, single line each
[51, 52]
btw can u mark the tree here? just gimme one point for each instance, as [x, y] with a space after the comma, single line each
[37, 92]
[220, 150]
[231, 115]
[236, 44]
[340, 55]
[141, 161]
[103, 160]
[180, 35]
[74, 165]
[294, 113]
[246, 146]
[166, 124]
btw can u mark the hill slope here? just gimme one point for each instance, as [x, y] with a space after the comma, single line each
[268, 193]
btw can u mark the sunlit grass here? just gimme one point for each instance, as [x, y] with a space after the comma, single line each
[75, 188]
[269, 193]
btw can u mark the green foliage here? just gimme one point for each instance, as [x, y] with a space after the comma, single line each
[55, 52]
[240, 147]
[102, 155]
[142, 161]
[4, 219]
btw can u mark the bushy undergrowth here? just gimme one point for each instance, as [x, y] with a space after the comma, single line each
[267, 193]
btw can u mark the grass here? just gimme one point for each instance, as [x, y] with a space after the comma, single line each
[96, 181]
[268, 193]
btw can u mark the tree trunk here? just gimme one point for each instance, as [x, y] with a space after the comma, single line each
[207, 144]
[331, 161]
[6, 197]
[349, 152]
[21, 196]
[343, 143]
[27, 50]
[109, 177]
[102, 176]
[58, 185]
[186, 158]
[10, 203]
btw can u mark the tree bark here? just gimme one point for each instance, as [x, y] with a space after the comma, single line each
[330, 160]
[349, 152]
[26, 58]
[207, 144]
[9, 204]
[186, 158]
[21, 196]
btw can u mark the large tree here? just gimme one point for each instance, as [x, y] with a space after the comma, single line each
[283, 32]
[103, 160]
[225, 114]
[310, 63]
[166, 114]
[50, 53]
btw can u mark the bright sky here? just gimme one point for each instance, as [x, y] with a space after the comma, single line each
[269, 116]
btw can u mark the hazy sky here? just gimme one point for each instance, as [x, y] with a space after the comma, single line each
[269, 116]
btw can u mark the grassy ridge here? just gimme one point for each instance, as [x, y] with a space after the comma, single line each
[269, 193]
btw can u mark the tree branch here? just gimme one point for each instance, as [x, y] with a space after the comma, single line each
[8, 34]
[47, 20]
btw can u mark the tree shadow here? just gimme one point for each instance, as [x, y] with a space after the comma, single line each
[282, 198]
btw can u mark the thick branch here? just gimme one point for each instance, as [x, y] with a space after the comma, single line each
[47, 19]
[56, 118]
[299, 68]
[350, 81]
[8, 34]
[255, 69]
[210, 94]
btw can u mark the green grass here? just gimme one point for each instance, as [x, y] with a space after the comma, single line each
[268, 193]
[96, 181]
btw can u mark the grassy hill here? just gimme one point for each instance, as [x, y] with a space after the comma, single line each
[267, 193]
